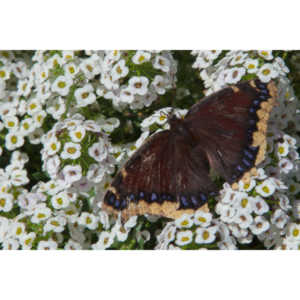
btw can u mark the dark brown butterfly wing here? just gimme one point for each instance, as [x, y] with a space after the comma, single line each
[230, 126]
[169, 174]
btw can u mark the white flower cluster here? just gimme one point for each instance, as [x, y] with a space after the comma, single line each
[50, 100]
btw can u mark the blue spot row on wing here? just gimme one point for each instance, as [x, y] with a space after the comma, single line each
[186, 201]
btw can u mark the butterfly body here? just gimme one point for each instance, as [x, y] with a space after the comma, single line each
[225, 133]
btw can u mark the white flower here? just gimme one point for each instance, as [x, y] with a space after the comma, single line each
[77, 134]
[6, 202]
[98, 151]
[138, 85]
[127, 95]
[267, 72]
[72, 245]
[294, 187]
[88, 220]
[279, 218]
[238, 58]
[131, 222]
[41, 214]
[160, 83]
[52, 146]
[33, 107]
[95, 173]
[282, 149]
[11, 123]
[27, 126]
[235, 74]
[260, 206]
[141, 57]
[18, 230]
[162, 63]
[60, 200]
[91, 66]
[119, 70]
[285, 165]
[26, 240]
[71, 69]
[120, 231]
[71, 151]
[243, 219]
[244, 202]
[105, 241]
[259, 225]
[206, 235]
[57, 109]
[294, 231]
[266, 54]
[72, 173]
[14, 140]
[251, 65]
[56, 224]
[247, 186]
[62, 85]
[184, 237]
[185, 221]
[47, 245]
[39, 118]
[85, 96]
[202, 218]
[266, 188]
[19, 177]
[54, 61]
[10, 244]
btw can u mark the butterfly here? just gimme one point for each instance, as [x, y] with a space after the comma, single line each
[170, 174]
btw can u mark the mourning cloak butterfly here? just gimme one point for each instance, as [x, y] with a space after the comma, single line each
[169, 175]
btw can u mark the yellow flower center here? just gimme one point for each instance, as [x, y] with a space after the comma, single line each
[264, 53]
[88, 220]
[246, 186]
[141, 58]
[59, 201]
[11, 124]
[119, 70]
[2, 202]
[244, 202]
[295, 232]
[205, 235]
[26, 126]
[84, 95]
[2, 74]
[41, 215]
[184, 239]
[32, 106]
[266, 72]
[138, 85]
[105, 241]
[28, 242]
[251, 66]
[78, 134]
[14, 139]
[202, 219]
[90, 68]
[53, 146]
[281, 149]
[54, 223]
[266, 189]
[184, 223]
[19, 231]
[71, 150]
[61, 84]
[162, 117]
